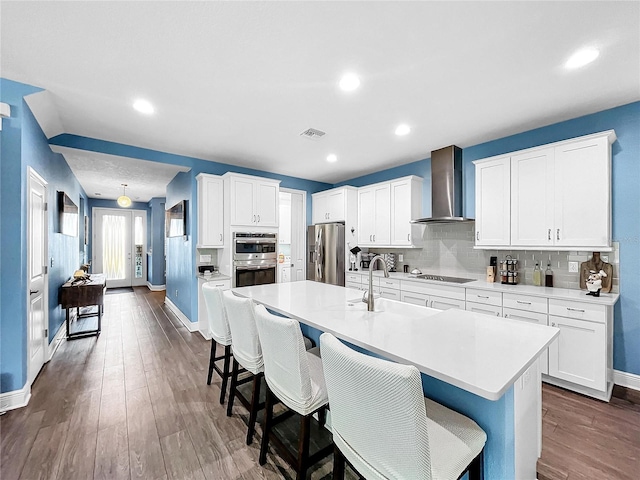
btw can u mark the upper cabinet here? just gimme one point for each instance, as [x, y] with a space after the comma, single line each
[333, 205]
[253, 200]
[385, 210]
[556, 196]
[210, 211]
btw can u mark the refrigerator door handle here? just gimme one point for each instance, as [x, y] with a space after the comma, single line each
[319, 257]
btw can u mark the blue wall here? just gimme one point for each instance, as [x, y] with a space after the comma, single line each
[23, 144]
[625, 120]
[155, 261]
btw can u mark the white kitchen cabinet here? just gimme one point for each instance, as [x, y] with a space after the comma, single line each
[415, 298]
[442, 297]
[253, 200]
[210, 211]
[443, 303]
[531, 317]
[532, 198]
[406, 205]
[583, 194]
[374, 215]
[493, 201]
[203, 320]
[487, 309]
[332, 205]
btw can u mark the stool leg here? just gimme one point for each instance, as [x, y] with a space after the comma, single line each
[266, 427]
[322, 417]
[212, 361]
[475, 468]
[232, 388]
[225, 372]
[303, 447]
[338, 464]
[255, 401]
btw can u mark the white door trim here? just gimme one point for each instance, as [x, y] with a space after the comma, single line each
[305, 223]
[32, 175]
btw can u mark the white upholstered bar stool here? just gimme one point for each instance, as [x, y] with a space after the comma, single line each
[220, 334]
[245, 345]
[294, 376]
[385, 427]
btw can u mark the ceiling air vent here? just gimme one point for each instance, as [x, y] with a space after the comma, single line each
[313, 134]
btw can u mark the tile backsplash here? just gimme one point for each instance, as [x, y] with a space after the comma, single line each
[448, 250]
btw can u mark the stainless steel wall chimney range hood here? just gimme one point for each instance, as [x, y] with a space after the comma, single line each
[446, 187]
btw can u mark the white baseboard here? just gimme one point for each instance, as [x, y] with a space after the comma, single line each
[15, 398]
[191, 326]
[55, 343]
[156, 288]
[625, 379]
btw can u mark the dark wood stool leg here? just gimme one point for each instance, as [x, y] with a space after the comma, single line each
[212, 360]
[338, 464]
[255, 401]
[232, 388]
[303, 447]
[225, 372]
[266, 427]
[322, 417]
[475, 468]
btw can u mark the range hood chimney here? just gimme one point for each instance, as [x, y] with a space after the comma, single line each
[446, 187]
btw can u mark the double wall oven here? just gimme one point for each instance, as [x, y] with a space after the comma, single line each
[254, 258]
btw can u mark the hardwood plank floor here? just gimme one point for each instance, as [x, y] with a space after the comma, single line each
[133, 403]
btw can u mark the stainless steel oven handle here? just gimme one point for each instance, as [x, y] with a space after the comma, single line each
[258, 240]
[257, 267]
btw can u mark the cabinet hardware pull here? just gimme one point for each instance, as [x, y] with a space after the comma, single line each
[558, 234]
[258, 218]
[482, 296]
[553, 324]
[549, 235]
[523, 303]
[220, 237]
[575, 310]
[478, 235]
[506, 316]
[254, 219]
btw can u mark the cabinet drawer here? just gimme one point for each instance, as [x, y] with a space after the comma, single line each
[579, 310]
[390, 293]
[365, 281]
[532, 317]
[353, 285]
[223, 284]
[352, 278]
[484, 296]
[446, 291]
[390, 283]
[524, 302]
[442, 303]
[483, 308]
[414, 298]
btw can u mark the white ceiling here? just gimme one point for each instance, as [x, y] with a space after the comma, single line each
[237, 82]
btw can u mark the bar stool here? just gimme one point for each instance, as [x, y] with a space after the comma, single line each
[384, 426]
[247, 353]
[220, 334]
[294, 377]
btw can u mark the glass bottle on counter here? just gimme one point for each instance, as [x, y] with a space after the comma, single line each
[537, 275]
[548, 276]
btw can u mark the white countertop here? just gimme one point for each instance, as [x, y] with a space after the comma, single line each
[478, 353]
[547, 292]
[210, 278]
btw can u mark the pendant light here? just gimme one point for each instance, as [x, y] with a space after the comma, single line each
[123, 200]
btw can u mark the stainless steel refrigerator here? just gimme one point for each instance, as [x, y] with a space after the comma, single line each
[325, 253]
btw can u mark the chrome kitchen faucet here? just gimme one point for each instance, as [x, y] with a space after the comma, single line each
[386, 274]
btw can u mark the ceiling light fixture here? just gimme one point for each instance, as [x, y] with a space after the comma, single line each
[582, 58]
[143, 106]
[123, 200]
[349, 82]
[403, 129]
[332, 158]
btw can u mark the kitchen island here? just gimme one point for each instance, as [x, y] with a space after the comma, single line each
[485, 367]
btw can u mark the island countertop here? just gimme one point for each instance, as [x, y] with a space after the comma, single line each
[478, 353]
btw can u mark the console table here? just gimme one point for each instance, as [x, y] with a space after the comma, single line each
[84, 294]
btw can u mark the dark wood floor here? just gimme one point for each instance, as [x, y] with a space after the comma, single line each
[133, 403]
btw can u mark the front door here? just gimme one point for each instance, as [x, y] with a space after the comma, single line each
[38, 313]
[118, 249]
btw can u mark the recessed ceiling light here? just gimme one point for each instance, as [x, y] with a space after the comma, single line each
[143, 106]
[582, 58]
[332, 158]
[403, 129]
[349, 82]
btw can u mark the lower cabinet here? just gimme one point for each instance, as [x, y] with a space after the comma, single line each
[487, 309]
[203, 321]
[532, 317]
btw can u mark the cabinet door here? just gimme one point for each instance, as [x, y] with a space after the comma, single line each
[210, 212]
[531, 317]
[401, 213]
[443, 303]
[582, 193]
[242, 201]
[532, 205]
[319, 208]
[493, 200]
[266, 206]
[382, 219]
[366, 216]
[335, 206]
[579, 354]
